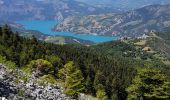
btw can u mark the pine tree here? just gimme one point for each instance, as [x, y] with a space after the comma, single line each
[55, 61]
[6, 30]
[34, 40]
[89, 86]
[42, 66]
[149, 84]
[16, 38]
[101, 94]
[0, 31]
[73, 79]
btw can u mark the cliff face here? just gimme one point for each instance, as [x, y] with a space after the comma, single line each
[132, 23]
[12, 86]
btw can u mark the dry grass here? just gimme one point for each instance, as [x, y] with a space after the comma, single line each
[56, 40]
[141, 43]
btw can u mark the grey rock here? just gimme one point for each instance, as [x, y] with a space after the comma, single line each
[23, 91]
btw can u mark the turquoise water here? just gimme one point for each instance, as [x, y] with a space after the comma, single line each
[46, 28]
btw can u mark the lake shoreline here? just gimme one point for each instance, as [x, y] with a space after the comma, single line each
[46, 27]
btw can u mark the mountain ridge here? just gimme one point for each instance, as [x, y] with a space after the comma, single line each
[125, 4]
[45, 10]
[133, 23]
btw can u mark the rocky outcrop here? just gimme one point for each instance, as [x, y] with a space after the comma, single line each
[6, 88]
[12, 87]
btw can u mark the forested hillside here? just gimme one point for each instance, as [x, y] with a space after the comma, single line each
[107, 71]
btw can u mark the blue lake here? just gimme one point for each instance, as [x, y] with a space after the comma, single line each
[46, 28]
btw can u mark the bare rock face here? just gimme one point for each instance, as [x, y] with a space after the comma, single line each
[10, 89]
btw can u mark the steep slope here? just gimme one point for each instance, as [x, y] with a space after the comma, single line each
[45, 10]
[132, 23]
[157, 44]
[125, 4]
[160, 42]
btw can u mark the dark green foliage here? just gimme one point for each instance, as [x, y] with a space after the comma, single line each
[6, 30]
[0, 31]
[164, 35]
[159, 42]
[149, 84]
[119, 48]
[73, 79]
[55, 61]
[111, 67]
[9, 64]
[89, 86]
[41, 66]
[101, 94]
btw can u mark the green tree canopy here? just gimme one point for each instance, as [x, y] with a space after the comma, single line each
[0, 31]
[73, 79]
[101, 94]
[55, 60]
[43, 66]
[6, 30]
[149, 84]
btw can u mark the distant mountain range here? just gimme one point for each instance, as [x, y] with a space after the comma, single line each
[46, 9]
[132, 23]
[125, 4]
[92, 17]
